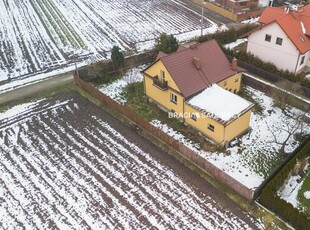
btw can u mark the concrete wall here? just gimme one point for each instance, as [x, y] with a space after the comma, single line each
[284, 56]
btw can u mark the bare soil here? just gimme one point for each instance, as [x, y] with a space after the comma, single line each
[65, 163]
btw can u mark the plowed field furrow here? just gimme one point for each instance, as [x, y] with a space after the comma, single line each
[11, 212]
[116, 171]
[88, 165]
[166, 187]
[21, 189]
[61, 194]
[65, 175]
[64, 168]
[164, 194]
[78, 168]
[108, 179]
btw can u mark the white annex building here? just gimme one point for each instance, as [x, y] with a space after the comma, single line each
[283, 38]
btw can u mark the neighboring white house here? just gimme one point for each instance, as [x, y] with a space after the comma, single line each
[264, 3]
[283, 38]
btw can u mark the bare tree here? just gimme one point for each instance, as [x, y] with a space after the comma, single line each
[290, 127]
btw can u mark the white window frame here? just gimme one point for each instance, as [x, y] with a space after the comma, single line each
[173, 98]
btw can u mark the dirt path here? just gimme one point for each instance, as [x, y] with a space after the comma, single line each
[33, 89]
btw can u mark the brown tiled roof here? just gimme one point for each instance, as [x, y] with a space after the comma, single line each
[213, 67]
[160, 55]
[295, 24]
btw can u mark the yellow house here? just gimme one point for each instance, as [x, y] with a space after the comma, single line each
[198, 84]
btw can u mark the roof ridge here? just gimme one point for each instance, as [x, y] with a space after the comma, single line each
[186, 48]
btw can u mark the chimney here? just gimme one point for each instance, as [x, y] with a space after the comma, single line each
[234, 63]
[196, 62]
[193, 45]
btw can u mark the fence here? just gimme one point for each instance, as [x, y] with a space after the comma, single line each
[268, 76]
[171, 142]
[260, 188]
[130, 61]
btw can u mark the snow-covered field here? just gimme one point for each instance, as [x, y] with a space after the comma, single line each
[38, 36]
[62, 168]
[255, 154]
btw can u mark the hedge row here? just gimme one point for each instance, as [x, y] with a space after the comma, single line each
[228, 36]
[272, 201]
[268, 66]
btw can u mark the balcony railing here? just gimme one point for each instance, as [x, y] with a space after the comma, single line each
[161, 84]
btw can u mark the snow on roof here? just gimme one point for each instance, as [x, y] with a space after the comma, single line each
[220, 103]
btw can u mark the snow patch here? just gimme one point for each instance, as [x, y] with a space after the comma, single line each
[220, 103]
[236, 43]
[307, 195]
[114, 89]
[250, 21]
[290, 190]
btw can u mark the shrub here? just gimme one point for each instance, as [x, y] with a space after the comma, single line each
[166, 43]
[117, 57]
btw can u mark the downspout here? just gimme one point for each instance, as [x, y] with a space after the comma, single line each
[297, 63]
[224, 134]
[183, 110]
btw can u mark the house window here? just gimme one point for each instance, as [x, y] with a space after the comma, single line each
[194, 117]
[173, 98]
[211, 127]
[243, 3]
[225, 83]
[237, 79]
[267, 38]
[279, 41]
[302, 60]
[162, 74]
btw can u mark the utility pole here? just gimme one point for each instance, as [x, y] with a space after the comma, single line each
[201, 18]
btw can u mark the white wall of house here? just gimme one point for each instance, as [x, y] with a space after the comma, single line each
[285, 56]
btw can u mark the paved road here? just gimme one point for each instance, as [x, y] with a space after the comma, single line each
[219, 19]
[33, 89]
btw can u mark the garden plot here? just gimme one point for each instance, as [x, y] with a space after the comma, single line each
[62, 168]
[39, 36]
[256, 154]
[114, 89]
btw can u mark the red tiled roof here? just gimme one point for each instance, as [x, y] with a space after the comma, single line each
[214, 67]
[295, 24]
[270, 14]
